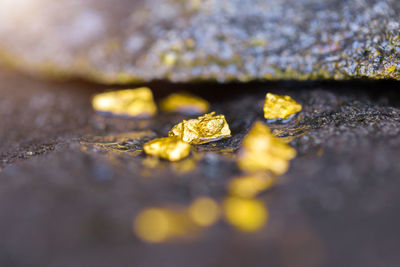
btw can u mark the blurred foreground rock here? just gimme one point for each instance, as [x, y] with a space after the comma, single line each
[125, 41]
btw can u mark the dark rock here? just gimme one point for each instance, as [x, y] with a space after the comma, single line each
[125, 41]
[65, 206]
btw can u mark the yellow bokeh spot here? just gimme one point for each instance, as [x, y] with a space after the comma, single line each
[169, 59]
[204, 211]
[262, 151]
[184, 166]
[153, 225]
[204, 129]
[250, 186]
[184, 103]
[280, 107]
[131, 102]
[156, 225]
[247, 215]
[170, 148]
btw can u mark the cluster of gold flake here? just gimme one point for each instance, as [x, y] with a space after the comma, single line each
[132, 102]
[170, 148]
[184, 103]
[280, 107]
[261, 155]
[261, 151]
[204, 129]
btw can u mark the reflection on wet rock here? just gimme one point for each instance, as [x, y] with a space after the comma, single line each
[278, 107]
[261, 151]
[184, 103]
[169, 148]
[137, 103]
[204, 129]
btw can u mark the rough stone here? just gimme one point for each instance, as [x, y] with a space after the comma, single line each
[125, 41]
[62, 205]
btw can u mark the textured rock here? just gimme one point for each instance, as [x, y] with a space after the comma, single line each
[125, 41]
[62, 205]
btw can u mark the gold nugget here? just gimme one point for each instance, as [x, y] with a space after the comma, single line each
[132, 102]
[170, 148]
[184, 103]
[261, 151]
[278, 107]
[204, 129]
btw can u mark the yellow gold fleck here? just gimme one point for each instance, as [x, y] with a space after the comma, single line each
[261, 151]
[247, 215]
[184, 103]
[170, 148]
[204, 129]
[204, 211]
[250, 186]
[132, 102]
[280, 107]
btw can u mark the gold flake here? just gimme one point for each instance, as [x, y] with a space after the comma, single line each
[261, 151]
[170, 148]
[280, 107]
[204, 129]
[184, 103]
[132, 102]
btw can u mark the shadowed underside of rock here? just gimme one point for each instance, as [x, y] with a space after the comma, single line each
[125, 41]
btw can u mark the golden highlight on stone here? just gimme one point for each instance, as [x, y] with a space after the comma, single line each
[247, 215]
[114, 144]
[170, 148]
[250, 186]
[156, 225]
[262, 151]
[204, 211]
[184, 103]
[204, 129]
[131, 102]
[278, 107]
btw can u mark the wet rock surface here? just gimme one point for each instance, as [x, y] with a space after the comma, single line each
[66, 200]
[125, 41]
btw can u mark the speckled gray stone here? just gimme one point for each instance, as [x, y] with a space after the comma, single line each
[125, 41]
